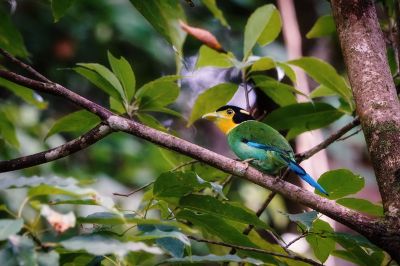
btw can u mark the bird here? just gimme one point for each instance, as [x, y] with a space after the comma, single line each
[257, 143]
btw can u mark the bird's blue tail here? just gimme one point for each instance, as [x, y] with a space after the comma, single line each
[306, 177]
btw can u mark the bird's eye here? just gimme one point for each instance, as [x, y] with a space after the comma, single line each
[229, 111]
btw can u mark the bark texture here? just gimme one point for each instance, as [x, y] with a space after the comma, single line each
[376, 102]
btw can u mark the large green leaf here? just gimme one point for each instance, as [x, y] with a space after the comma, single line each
[358, 254]
[212, 6]
[262, 27]
[19, 250]
[305, 218]
[10, 38]
[8, 182]
[79, 121]
[302, 117]
[164, 16]
[322, 246]
[158, 93]
[123, 70]
[10, 227]
[211, 100]
[223, 209]
[326, 75]
[101, 245]
[361, 205]
[211, 258]
[282, 94]
[7, 130]
[217, 226]
[60, 7]
[324, 26]
[24, 93]
[264, 63]
[210, 57]
[99, 81]
[177, 184]
[341, 182]
[322, 91]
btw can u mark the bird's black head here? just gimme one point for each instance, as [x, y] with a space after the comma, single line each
[237, 114]
[227, 117]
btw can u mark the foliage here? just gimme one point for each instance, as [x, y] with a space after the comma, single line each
[191, 199]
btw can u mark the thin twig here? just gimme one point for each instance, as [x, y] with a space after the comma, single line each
[184, 164]
[70, 147]
[28, 68]
[246, 92]
[291, 256]
[133, 191]
[352, 134]
[332, 138]
[296, 239]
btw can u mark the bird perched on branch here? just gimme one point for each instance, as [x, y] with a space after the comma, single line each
[257, 143]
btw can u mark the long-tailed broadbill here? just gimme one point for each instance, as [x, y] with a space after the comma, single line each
[264, 147]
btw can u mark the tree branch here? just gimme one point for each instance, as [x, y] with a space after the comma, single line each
[78, 144]
[24, 66]
[332, 138]
[58, 90]
[289, 256]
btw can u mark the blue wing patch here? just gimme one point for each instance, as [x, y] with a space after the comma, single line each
[267, 148]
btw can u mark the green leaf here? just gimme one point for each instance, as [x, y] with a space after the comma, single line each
[361, 205]
[305, 218]
[111, 218]
[341, 182]
[117, 106]
[322, 91]
[24, 93]
[210, 57]
[7, 130]
[164, 16]
[280, 93]
[10, 38]
[164, 110]
[359, 255]
[176, 184]
[101, 245]
[289, 72]
[326, 75]
[212, 6]
[217, 226]
[123, 70]
[262, 27]
[211, 99]
[150, 121]
[79, 121]
[23, 182]
[51, 258]
[158, 93]
[302, 117]
[232, 211]
[19, 250]
[99, 81]
[211, 258]
[264, 63]
[60, 7]
[322, 246]
[324, 26]
[10, 227]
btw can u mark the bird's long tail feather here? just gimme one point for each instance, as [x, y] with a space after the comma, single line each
[306, 177]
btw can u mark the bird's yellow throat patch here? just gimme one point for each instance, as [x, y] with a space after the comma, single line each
[225, 125]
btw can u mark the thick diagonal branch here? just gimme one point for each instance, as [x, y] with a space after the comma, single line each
[78, 144]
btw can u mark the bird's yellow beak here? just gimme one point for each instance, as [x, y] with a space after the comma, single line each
[211, 116]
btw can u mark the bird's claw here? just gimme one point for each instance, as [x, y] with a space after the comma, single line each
[247, 161]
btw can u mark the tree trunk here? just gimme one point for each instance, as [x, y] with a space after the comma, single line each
[377, 104]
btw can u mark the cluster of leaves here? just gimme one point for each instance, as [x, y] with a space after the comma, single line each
[190, 200]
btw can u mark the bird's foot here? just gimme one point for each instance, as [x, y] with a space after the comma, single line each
[247, 161]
